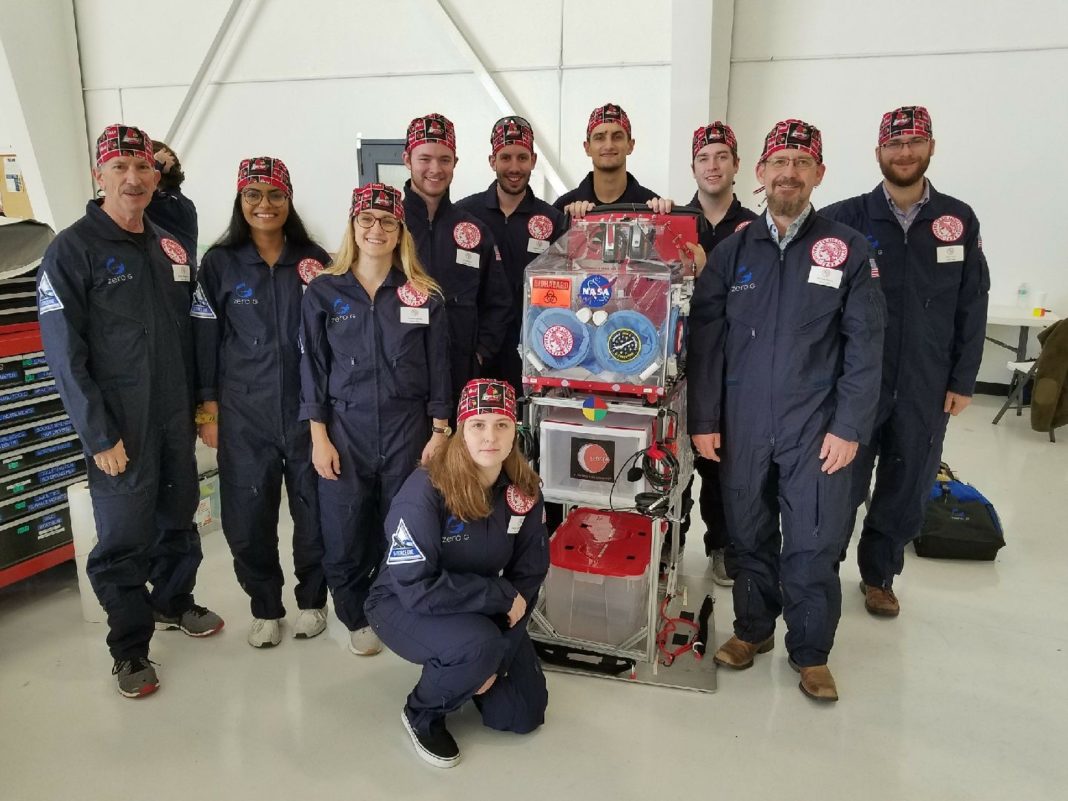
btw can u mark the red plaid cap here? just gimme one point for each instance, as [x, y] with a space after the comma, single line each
[382, 197]
[431, 128]
[486, 396]
[794, 134]
[609, 112]
[905, 121]
[124, 140]
[264, 170]
[511, 131]
[716, 132]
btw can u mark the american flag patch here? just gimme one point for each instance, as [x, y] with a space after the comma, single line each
[874, 268]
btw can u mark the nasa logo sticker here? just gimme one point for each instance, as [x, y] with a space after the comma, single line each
[175, 252]
[467, 235]
[540, 226]
[307, 269]
[558, 341]
[830, 252]
[410, 296]
[595, 291]
[519, 503]
[948, 228]
[741, 226]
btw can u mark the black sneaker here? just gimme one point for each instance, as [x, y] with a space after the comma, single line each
[436, 746]
[136, 677]
[195, 621]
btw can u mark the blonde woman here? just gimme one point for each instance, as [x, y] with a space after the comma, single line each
[374, 381]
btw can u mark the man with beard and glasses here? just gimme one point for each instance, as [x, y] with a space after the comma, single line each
[170, 209]
[936, 280]
[785, 352]
[522, 226]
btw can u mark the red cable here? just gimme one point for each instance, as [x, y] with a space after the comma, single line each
[669, 627]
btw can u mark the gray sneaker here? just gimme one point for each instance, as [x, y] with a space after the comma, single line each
[195, 621]
[136, 677]
[719, 570]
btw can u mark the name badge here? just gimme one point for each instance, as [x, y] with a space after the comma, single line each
[516, 523]
[181, 272]
[537, 245]
[409, 314]
[467, 257]
[825, 276]
[950, 253]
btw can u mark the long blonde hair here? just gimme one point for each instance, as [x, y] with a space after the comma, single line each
[455, 475]
[405, 259]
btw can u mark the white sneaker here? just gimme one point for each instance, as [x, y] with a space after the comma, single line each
[264, 633]
[719, 570]
[310, 623]
[364, 642]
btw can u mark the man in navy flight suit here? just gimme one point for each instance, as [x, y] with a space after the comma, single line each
[936, 280]
[785, 358]
[114, 296]
[523, 226]
[457, 249]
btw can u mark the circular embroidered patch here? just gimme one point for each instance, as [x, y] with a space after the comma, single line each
[624, 344]
[467, 235]
[558, 340]
[947, 228]
[830, 252]
[410, 296]
[540, 226]
[307, 269]
[519, 503]
[175, 252]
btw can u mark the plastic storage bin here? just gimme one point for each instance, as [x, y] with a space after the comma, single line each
[598, 585]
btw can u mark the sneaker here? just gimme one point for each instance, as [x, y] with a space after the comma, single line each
[264, 633]
[364, 642]
[310, 623]
[195, 621]
[435, 746]
[136, 677]
[719, 570]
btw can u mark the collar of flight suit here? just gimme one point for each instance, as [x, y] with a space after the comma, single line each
[107, 228]
[492, 201]
[416, 204]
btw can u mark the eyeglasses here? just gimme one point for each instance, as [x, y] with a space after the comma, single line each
[276, 197]
[898, 145]
[367, 220]
[800, 163]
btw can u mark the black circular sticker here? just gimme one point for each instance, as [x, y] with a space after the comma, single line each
[624, 345]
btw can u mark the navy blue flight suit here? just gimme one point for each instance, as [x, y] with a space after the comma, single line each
[521, 238]
[246, 325]
[779, 356]
[634, 193]
[458, 251]
[114, 314]
[375, 371]
[442, 601]
[936, 297]
[172, 211]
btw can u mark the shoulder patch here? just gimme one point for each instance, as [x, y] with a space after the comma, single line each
[175, 252]
[519, 503]
[201, 309]
[402, 548]
[47, 299]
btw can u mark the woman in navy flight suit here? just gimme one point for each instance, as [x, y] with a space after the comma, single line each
[246, 322]
[374, 373]
[467, 556]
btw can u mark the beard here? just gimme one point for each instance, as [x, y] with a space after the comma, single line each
[787, 207]
[503, 186]
[914, 174]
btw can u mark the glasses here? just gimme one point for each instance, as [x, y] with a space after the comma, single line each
[276, 197]
[367, 220]
[899, 144]
[800, 163]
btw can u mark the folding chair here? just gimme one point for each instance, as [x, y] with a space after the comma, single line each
[1023, 373]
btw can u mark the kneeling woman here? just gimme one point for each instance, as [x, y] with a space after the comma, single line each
[467, 556]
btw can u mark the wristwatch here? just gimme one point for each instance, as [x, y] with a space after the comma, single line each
[446, 430]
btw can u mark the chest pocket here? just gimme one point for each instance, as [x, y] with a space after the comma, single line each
[351, 363]
[405, 352]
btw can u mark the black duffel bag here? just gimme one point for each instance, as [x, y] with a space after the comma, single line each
[959, 523]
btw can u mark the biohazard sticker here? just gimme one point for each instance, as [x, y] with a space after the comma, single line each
[741, 226]
[402, 548]
[947, 228]
[624, 345]
[550, 292]
[201, 309]
[830, 252]
[307, 269]
[558, 341]
[175, 252]
[410, 296]
[467, 235]
[519, 503]
[540, 226]
[47, 299]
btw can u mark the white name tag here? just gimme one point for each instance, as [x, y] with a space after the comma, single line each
[825, 276]
[516, 523]
[181, 272]
[408, 314]
[949, 253]
[537, 245]
[468, 257]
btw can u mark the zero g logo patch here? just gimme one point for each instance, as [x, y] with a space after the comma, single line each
[454, 530]
[743, 280]
[175, 252]
[948, 228]
[540, 226]
[307, 269]
[467, 235]
[341, 310]
[117, 270]
[402, 548]
[830, 252]
[244, 295]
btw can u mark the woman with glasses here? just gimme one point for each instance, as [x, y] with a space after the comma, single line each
[374, 378]
[246, 322]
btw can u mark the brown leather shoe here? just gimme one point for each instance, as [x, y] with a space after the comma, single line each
[816, 682]
[738, 654]
[880, 601]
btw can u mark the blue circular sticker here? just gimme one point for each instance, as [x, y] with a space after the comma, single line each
[595, 291]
